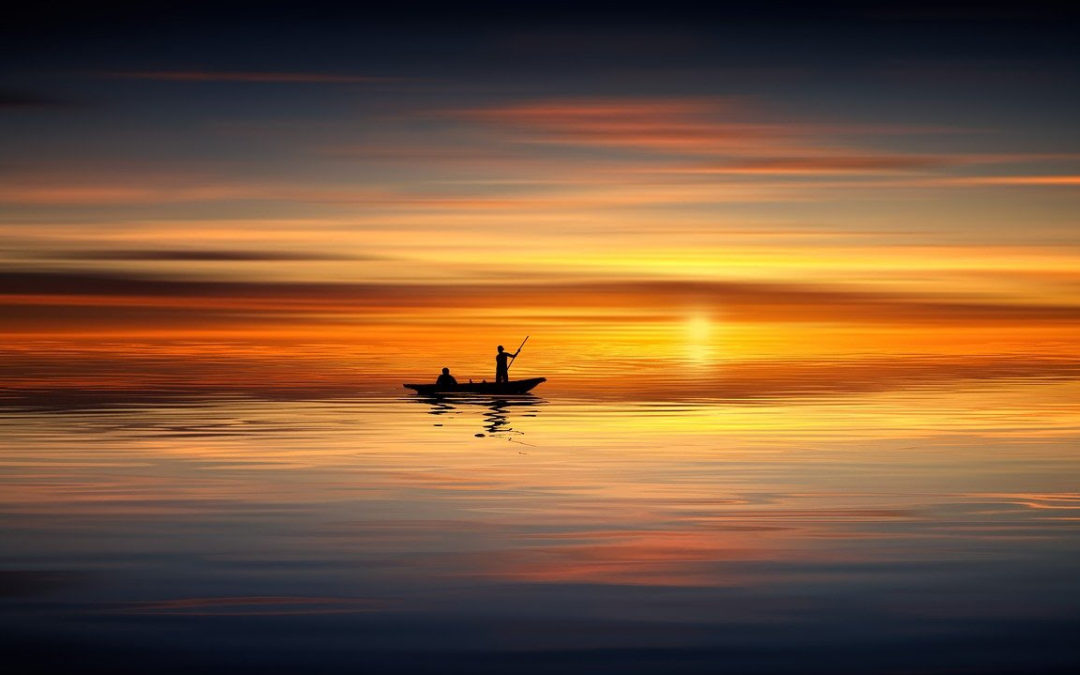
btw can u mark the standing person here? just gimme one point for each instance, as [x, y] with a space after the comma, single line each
[502, 364]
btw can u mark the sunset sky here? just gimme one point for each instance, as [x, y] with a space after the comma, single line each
[248, 194]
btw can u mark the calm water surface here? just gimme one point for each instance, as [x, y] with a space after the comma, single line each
[932, 529]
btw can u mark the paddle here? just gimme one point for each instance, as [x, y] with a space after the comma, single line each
[517, 352]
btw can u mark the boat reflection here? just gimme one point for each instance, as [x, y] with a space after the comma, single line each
[497, 414]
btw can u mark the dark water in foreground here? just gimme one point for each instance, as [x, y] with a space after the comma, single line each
[923, 531]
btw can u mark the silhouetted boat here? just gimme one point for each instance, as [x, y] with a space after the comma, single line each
[511, 387]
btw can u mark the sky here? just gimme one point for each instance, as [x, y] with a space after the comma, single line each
[269, 194]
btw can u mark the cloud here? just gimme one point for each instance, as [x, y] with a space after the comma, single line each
[1034, 181]
[253, 606]
[18, 99]
[822, 164]
[682, 126]
[738, 138]
[245, 76]
[735, 136]
[692, 126]
[127, 190]
[737, 301]
[571, 190]
[123, 192]
[207, 255]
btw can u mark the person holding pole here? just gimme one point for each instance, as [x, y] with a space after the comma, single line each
[503, 360]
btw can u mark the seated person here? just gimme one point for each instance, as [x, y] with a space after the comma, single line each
[446, 380]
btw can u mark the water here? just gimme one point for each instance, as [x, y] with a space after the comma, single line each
[927, 528]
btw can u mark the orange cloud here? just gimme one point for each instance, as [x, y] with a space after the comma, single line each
[1062, 181]
[738, 139]
[736, 300]
[824, 164]
[662, 125]
[112, 194]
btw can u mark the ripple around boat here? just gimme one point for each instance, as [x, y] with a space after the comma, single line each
[511, 387]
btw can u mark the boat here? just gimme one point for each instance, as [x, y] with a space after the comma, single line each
[511, 387]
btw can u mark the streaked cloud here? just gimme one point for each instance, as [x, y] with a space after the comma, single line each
[201, 255]
[735, 300]
[676, 126]
[743, 138]
[820, 165]
[1035, 181]
[19, 99]
[245, 76]
[125, 190]
[253, 606]
[738, 128]
[119, 193]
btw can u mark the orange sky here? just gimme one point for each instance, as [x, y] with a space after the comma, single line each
[632, 214]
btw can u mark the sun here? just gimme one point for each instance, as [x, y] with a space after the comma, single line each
[697, 335]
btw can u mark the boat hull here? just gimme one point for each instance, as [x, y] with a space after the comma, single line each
[511, 387]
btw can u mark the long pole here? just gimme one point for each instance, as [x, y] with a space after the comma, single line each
[517, 352]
